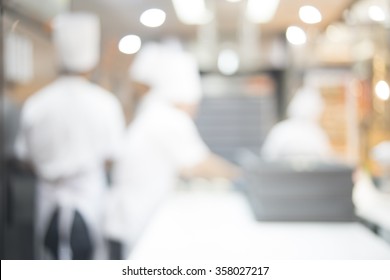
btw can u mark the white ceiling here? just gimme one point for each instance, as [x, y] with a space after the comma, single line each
[121, 17]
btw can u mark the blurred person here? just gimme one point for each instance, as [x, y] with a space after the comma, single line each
[161, 144]
[371, 194]
[69, 130]
[380, 153]
[300, 136]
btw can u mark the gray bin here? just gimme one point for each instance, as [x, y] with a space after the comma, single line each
[287, 192]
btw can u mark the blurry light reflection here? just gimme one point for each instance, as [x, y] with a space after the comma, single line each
[228, 62]
[153, 17]
[310, 14]
[192, 11]
[382, 90]
[129, 44]
[296, 35]
[376, 13]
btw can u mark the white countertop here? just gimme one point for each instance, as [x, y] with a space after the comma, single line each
[219, 225]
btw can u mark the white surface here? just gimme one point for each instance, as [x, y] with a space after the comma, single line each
[220, 226]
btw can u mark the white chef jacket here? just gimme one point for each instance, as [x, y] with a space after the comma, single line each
[68, 131]
[160, 142]
[296, 138]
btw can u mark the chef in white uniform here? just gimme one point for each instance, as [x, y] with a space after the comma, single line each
[300, 136]
[380, 153]
[161, 143]
[69, 131]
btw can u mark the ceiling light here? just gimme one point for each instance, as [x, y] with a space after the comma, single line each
[233, 1]
[130, 44]
[153, 17]
[296, 35]
[228, 62]
[310, 14]
[376, 13]
[192, 11]
[261, 11]
[382, 90]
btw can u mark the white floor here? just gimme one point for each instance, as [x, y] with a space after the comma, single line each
[218, 225]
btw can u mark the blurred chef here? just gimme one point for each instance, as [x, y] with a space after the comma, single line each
[300, 136]
[381, 155]
[69, 131]
[161, 143]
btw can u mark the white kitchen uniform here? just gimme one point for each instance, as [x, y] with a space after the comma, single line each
[69, 129]
[300, 136]
[161, 141]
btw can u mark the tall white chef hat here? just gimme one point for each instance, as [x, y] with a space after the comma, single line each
[77, 39]
[172, 73]
[144, 68]
[306, 104]
[180, 79]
